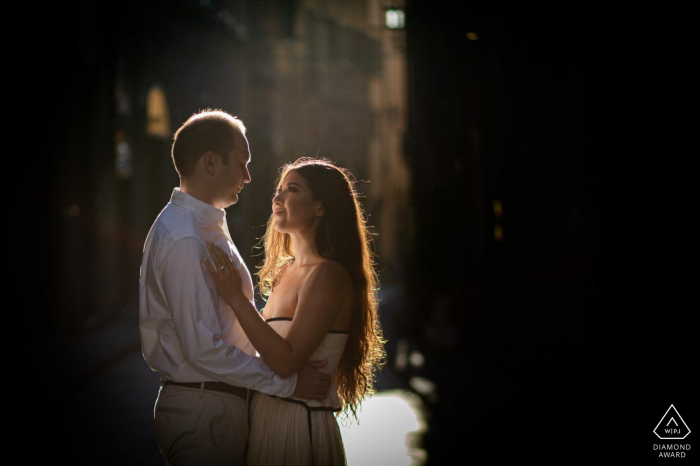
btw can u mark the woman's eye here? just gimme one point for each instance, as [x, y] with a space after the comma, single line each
[292, 190]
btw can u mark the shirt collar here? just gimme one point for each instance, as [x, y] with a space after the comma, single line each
[200, 208]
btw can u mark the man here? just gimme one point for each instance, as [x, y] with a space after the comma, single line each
[187, 331]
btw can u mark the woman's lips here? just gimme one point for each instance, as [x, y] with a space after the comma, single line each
[278, 212]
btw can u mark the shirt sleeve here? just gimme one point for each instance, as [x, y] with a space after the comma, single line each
[193, 301]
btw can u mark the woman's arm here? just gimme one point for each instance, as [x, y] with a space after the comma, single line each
[325, 293]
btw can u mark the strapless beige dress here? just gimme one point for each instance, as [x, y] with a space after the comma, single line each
[296, 432]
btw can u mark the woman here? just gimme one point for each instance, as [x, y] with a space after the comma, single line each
[321, 287]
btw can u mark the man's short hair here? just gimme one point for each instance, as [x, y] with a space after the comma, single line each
[208, 130]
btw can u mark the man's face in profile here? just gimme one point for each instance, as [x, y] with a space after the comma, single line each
[230, 179]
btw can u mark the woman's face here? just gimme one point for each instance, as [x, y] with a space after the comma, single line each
[294, 208]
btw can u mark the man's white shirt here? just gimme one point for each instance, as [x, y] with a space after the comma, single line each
[188, 332]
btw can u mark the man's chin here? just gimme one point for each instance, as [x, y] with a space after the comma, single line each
[230, 202]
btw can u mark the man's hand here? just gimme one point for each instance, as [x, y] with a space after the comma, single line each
[312, 384]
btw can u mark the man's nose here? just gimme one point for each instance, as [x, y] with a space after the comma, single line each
[247, 178]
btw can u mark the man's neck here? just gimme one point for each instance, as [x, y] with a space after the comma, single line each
[203, 195]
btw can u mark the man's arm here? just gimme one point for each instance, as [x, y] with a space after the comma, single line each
[193, 301]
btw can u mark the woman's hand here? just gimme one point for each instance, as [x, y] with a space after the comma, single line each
[226, 276]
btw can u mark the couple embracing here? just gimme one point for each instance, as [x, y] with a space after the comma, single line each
[237, 386]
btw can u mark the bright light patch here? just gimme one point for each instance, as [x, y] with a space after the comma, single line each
[416, 359]
[401, 356]
[122, 156]
[388, 432]
[422, 385]
[498, 233]
[497, 208]
[158, 114]
[395, 19]
[472, 36]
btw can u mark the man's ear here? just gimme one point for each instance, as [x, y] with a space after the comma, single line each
[208, 162]
[320, 212]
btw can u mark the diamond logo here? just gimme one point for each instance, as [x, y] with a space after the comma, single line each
[671, 426]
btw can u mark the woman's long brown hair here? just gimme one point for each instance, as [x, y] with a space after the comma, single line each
[341, 236]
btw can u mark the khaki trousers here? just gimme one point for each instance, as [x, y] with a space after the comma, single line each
[200, 427]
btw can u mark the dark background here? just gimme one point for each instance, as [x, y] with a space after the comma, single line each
[570, 338]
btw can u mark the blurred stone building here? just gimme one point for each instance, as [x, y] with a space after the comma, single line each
[308, 78]
[329, 80]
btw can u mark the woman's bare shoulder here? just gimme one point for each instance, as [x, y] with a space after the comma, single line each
[332, 273]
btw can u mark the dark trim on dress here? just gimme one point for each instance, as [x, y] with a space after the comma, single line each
[310, 408]
[277, 318]
[249, 402]
[273, 319]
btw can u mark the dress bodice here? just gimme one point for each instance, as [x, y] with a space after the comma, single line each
[331, 348]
